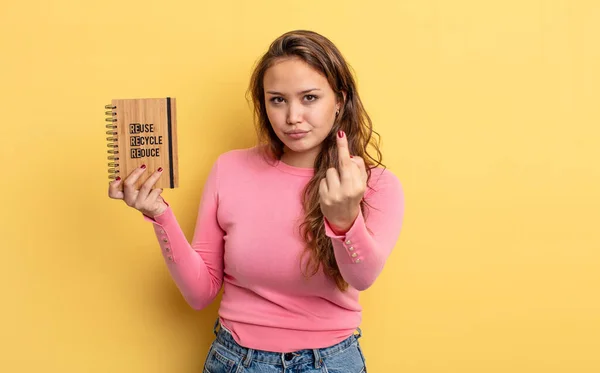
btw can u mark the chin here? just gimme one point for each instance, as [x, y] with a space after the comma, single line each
[299, 147]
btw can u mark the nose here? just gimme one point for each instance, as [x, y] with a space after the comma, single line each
[294, 114]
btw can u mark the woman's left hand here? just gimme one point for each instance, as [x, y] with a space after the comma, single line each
[341, 193]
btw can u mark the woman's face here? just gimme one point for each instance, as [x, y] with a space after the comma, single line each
[300, 104]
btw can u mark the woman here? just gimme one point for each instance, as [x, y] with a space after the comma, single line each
[293, 228]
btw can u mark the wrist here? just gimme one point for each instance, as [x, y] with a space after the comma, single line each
[159, 211]
[339, 228]
[342, 226]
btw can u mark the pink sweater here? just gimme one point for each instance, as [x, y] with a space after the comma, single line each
[247, 239]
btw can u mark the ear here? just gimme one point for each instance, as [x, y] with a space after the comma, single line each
[340, 104]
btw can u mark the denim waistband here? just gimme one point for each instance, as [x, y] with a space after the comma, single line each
[224, 337]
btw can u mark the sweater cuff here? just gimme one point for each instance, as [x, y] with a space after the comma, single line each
[351, 240]
[167, 232]
[331, 233]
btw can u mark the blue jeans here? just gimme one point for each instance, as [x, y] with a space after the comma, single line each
[227, 356]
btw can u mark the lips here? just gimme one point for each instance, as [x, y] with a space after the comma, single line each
[295, 132]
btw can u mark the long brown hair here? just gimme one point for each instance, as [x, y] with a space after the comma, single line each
[323, 56]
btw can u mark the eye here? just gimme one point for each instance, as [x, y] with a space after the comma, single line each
[313, 97]
[275, 100]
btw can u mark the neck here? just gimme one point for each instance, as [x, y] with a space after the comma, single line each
[300, 159]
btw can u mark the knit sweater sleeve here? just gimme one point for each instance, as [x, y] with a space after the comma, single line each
[362, 251]
[196, 267]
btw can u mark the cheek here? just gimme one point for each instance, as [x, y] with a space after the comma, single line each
[321, 117]
[274, 117]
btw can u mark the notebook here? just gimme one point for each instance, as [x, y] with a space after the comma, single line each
[143, 131]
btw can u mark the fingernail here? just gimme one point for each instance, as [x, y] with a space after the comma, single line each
[118, 178]
[340, 134]
[160, 169]
[143, 166]
[351, 156]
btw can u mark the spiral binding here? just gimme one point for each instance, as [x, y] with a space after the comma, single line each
[113, 150]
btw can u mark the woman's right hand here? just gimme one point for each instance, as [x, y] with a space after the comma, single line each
[146, 200]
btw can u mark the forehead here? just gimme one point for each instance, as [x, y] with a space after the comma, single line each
[292, 74]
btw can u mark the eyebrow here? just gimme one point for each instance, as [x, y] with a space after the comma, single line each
[305, 91]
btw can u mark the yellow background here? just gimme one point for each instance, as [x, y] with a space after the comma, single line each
[489, 112]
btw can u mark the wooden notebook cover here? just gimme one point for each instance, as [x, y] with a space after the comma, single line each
[143, 131]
